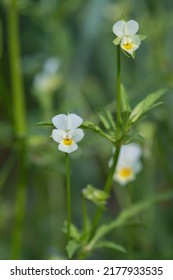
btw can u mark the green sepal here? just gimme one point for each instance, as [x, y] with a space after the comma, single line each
[116, 41]
[142, 36]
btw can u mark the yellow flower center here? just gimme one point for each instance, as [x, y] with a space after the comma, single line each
[67, 141]
[125, 172]
[128, 46]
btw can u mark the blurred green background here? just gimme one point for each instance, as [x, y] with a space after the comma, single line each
[68, 64]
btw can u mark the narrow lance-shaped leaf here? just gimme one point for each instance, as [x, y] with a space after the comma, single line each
[146, 105]
[127, 214]
[124, 100]
[112, 245]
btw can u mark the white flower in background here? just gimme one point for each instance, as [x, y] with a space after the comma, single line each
[129, 164]
[126, 33]
[67, 133]
[48, 79]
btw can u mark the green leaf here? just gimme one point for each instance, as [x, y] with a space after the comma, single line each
[116, 41]
[124, 100]
[142, 37]
[127, 214]
[146, 105]
[71, 248]
[107, 120]
[74, 232]
[104, 121]
[111, 120]
[98, 130]
[112, 245]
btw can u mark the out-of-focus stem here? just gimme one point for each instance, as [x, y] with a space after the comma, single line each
[19, 119]
[107, 188]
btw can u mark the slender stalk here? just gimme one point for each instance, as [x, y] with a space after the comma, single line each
[118, 86]
[68, 193]
[107, 188]
[19, 111]
[84, 210]
[20, 200]
[108, 184]
[19, 119]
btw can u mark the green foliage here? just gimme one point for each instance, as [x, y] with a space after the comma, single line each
[71, 31]
[146, 105]
[71, 248]
[127, 214]
[110, 245]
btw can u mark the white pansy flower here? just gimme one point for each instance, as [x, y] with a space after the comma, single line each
[129, 164]
[126, 33]
[67, 133]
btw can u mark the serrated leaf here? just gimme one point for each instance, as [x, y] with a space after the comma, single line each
[112, 245]
[72, 248]
[127, 214]
[146, 105]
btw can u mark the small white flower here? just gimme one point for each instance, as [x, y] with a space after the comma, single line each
[129, 164]
[126, 33]
[67, 133]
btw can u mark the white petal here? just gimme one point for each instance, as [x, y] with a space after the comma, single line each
[76, 134]
[60, 121]
[118, 28]
[122, 180]
[129, 153]
[74, 121]
[67, 149]
[137, 167]
[131, 28]
[58, 135]
[136, 40]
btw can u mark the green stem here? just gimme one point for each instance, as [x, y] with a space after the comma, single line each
[19, 111]
[20, 203]
[118, 86]
[68, 192]
[84, 210]
[19, 118]
[107, 188]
